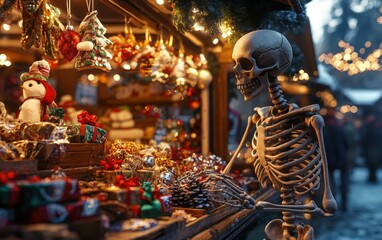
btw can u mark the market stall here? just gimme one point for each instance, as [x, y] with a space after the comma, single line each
[110, 137]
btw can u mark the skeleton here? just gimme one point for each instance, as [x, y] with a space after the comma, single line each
[288, 145]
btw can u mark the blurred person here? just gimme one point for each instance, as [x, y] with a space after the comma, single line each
[352, 137]
[372, 146]
[336, 146]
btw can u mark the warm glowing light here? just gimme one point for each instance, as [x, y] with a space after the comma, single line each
[349, 61]
[6, 27]
[327, 98]
[117, 77]
[91, 77]
[215, 41]
[193, 135]
[301, 76]
[226, 30]
[379, 20]
[341, 43]
[126, 66]
[4, 61]
[353, 109]
[198, 27]
[20, 23]
[160, 2]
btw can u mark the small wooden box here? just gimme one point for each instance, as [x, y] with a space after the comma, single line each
[25, 166]
[70, 155]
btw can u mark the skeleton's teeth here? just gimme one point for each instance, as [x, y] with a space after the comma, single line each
[249, 86]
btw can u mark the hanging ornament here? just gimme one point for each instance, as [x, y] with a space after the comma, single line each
[195, 103]
[164, 62]
[92, 53]
[180, 67]
[124, 47]
[41, 26]
[205, 78]
[148, 161]
[146, 56]
[69, 38]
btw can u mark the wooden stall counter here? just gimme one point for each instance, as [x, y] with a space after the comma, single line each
[225, 222]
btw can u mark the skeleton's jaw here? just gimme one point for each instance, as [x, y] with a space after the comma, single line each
[251, 88]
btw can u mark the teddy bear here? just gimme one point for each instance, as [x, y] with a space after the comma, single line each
[38, 94]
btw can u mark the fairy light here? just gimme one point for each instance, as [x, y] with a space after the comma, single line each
[198, 27]
[327, 98]
[91, 77]
[225, 30]
[117, 77]
[301, 76]
[160, 2]
[6, 27]
[348, 109]
[4, 61]
[215, 41]
[349, 60]
[126, 66]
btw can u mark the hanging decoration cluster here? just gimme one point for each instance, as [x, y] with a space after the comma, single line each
[69, 38]
[241, 15]
[92, 48]
[41, 26]
[157, 61]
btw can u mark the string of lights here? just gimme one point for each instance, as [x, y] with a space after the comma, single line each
[350, 60]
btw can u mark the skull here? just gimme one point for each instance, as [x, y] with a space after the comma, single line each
[258, 55]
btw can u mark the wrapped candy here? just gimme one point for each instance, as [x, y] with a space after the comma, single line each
[59, 213]
[6, 152]
[9, 190]
[136, 224]
[27, 149]
[148, 161]
[86, 134]
[42, 192]
[3, 112]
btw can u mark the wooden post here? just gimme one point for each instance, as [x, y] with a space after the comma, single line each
[220, 104]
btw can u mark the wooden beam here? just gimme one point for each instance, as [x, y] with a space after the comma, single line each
[143, 12]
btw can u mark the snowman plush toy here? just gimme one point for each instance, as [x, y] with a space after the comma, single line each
[38, 94]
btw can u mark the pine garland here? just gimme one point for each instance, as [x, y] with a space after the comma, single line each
[243, 15]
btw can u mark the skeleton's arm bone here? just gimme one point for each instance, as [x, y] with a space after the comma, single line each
[329, 204]
[250, 124]
[310, 207]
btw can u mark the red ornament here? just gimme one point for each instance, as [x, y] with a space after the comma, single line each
[53, 63]
[128, 52]
[68, 44]
[195, 104]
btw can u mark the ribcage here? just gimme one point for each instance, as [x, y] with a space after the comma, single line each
[286, 154]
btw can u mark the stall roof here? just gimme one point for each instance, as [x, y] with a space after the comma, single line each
[363, 96]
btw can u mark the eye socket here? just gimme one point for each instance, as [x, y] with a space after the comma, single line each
[245, 64]
[38, 83]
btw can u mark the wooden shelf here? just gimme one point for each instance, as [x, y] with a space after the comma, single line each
[155, 100]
